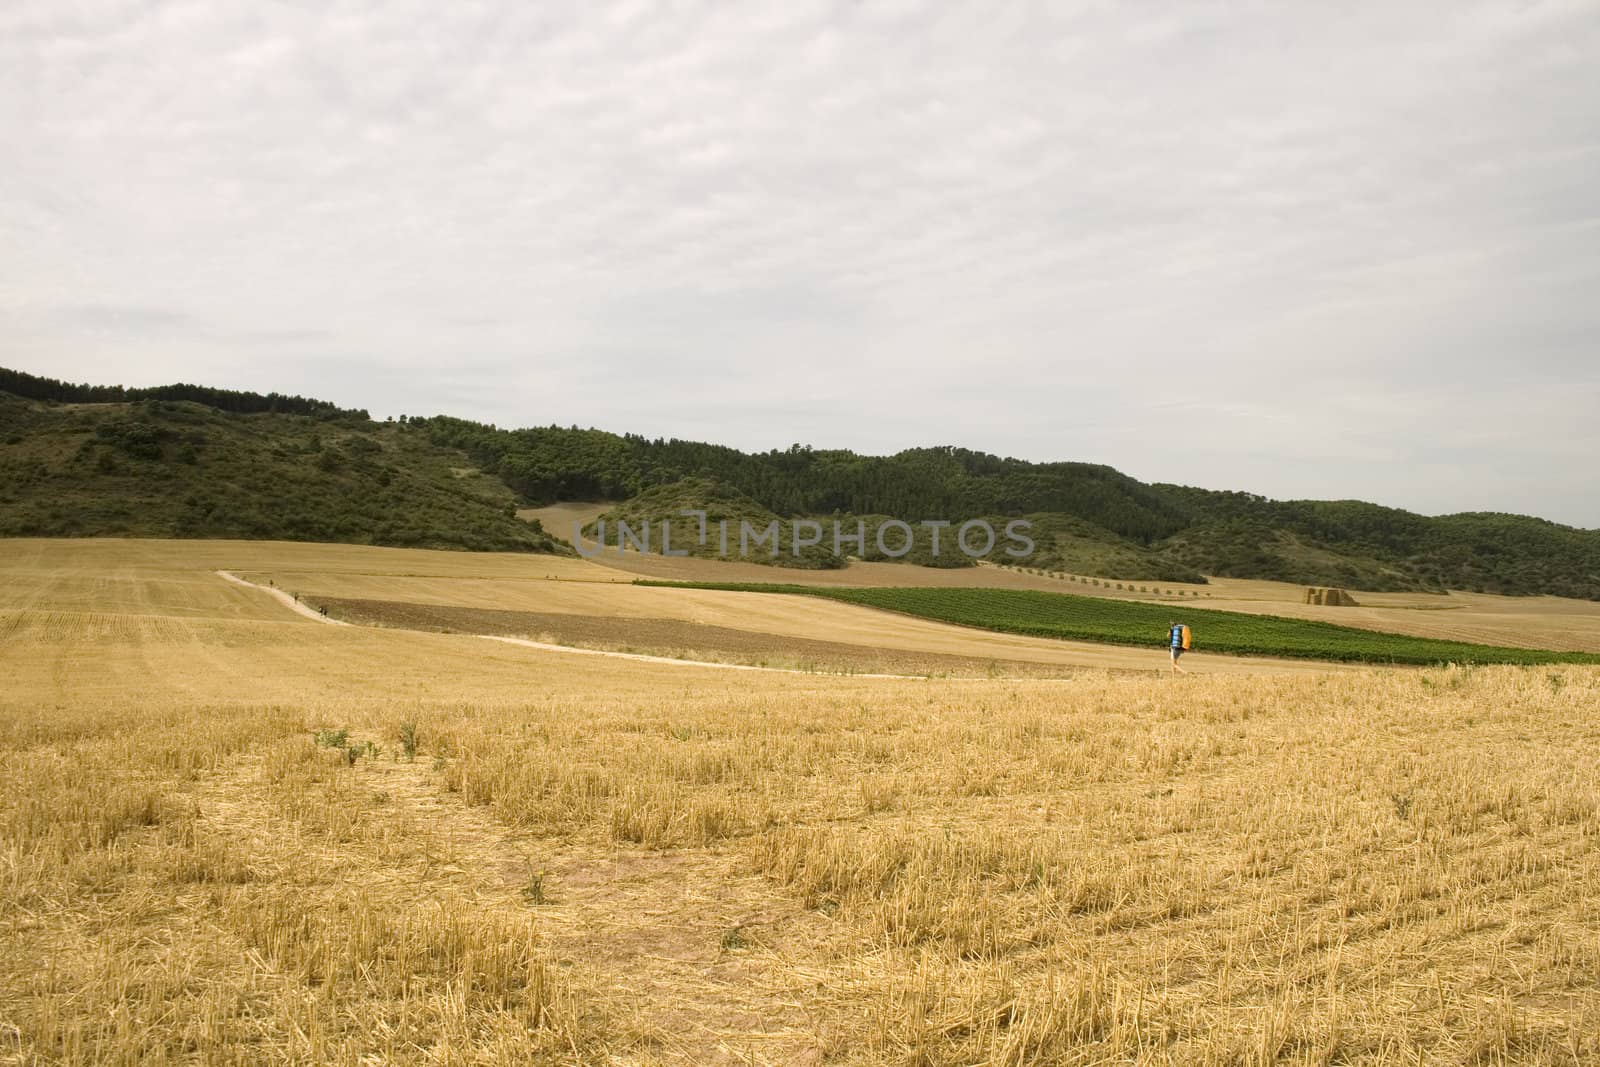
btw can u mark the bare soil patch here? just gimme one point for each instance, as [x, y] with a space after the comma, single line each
[676, 638]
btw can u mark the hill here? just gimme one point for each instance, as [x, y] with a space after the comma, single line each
[84, 459]
[737, 527]
[1094, 519]
[177, 468]
[1366, 546]
[724, 507]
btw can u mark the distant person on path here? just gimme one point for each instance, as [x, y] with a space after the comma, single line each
[1177, 642]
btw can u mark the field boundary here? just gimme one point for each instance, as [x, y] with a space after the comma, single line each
[283, 598]
[545, 646]
[1133, 623]
[640, 657]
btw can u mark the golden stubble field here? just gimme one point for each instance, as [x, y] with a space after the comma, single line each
[516, 856]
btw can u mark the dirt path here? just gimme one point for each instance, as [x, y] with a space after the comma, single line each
[284, 598]
[702, 959]
[642, 658]
[543, 646]
[675, 957]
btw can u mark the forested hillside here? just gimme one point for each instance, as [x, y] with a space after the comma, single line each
[193, 461]
[1374, 547]
[1095, 519]
[552, 463]
[168, 468]
[33, 387]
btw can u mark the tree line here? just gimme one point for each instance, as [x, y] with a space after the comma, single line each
[551, 463]
[34, 387]
[1168, 528]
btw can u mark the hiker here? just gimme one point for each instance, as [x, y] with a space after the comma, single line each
[1178, 643]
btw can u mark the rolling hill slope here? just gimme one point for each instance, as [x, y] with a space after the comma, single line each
[174, 468]
[1095, 520]
[192, 461]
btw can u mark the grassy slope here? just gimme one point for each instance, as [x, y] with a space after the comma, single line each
[1109, 524]
[1065, 543]
[1260, 550]
[177, 469]
[666, 503]
[1367, 546]
[1061, 541]
[1121, 622]
[1089, 519]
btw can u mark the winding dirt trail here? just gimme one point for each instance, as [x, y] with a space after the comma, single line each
[544, 646]
[693, 958]
[283, 598]
[640, 657]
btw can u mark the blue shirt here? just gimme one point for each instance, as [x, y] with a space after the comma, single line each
[1177, 637]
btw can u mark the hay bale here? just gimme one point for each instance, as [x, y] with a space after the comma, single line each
[1329, 597]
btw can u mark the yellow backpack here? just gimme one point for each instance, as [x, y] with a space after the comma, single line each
[1183, 638]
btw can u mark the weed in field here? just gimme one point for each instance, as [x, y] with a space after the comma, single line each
[333, 738]
[533, 890]
[408, 739]
[1402, 805]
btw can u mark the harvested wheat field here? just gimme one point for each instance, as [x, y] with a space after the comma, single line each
[1486, 618]
[234, 834]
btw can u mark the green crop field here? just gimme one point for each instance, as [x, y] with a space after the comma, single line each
[1124, 622]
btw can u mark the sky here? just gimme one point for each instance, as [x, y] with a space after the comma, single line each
[1307, 250]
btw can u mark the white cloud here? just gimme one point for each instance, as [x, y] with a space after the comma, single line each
[1311, 251]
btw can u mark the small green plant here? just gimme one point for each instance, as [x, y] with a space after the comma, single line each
[733, 939]
[408, 739]
[353, 750]
[333, 738]
[533, 889]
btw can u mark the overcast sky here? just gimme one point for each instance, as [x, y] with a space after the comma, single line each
[1310, 250]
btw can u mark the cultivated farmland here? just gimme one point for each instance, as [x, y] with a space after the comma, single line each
[233, 834]
[1125, 622]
